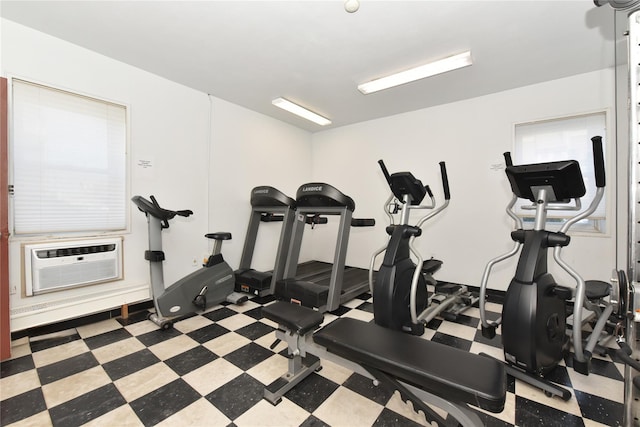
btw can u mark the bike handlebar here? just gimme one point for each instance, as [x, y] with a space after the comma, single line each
[153, 208]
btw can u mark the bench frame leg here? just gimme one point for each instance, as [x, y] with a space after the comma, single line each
[301, 366]
[406, 395]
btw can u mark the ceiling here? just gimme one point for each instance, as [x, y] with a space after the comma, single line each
[314, 53]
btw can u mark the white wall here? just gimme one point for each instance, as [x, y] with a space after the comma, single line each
[170, 128]
[249, 150]
[470, 136]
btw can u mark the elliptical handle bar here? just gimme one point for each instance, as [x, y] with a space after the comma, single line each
[445, 181]
[385, 171]
[579, 295]
[598, 161]
[507, 158]
[428, 190]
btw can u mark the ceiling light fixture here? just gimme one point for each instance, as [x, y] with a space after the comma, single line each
[427, 70]
[300, 111]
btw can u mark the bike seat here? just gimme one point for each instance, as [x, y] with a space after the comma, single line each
[221, 235]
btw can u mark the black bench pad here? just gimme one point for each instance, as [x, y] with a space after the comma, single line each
[295, 318]
[448, 372]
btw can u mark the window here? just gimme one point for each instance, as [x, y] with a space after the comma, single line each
[68, 162]
[566, 138]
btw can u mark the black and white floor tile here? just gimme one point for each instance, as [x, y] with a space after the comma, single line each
[211, 368]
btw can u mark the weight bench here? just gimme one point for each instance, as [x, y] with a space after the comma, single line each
[422, 371]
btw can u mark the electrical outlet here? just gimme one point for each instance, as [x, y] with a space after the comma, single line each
[13, 290]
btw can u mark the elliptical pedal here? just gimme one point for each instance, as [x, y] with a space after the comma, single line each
[448, 288]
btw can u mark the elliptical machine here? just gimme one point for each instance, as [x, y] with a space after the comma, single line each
[208, 286]
[534, 312]
[401, 300]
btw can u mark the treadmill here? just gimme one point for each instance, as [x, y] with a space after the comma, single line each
[267, 205]
[324, 290]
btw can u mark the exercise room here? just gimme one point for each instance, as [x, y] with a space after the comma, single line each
[319, 213]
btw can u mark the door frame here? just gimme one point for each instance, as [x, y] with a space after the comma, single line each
[5, 326]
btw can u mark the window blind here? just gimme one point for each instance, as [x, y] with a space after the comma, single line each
[562, 139]
[69, 161]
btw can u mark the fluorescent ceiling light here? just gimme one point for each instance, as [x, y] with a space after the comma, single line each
[427, 70]
[300, 111]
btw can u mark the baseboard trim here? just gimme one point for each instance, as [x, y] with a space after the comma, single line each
[80, 321]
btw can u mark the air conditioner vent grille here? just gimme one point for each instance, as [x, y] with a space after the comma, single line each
[61, 265]
[82, 250]
[77, 274]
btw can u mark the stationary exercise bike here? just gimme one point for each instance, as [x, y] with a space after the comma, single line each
[401, 300]
[534, 312]
[210, 285]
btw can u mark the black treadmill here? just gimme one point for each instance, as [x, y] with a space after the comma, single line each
[323, 290]
[267, 205]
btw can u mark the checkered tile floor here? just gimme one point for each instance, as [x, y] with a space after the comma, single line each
[211, 368]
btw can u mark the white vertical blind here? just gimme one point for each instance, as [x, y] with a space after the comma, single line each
[69, 162]
[563, 139]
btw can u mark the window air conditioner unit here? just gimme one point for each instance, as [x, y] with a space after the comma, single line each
[50, 267]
